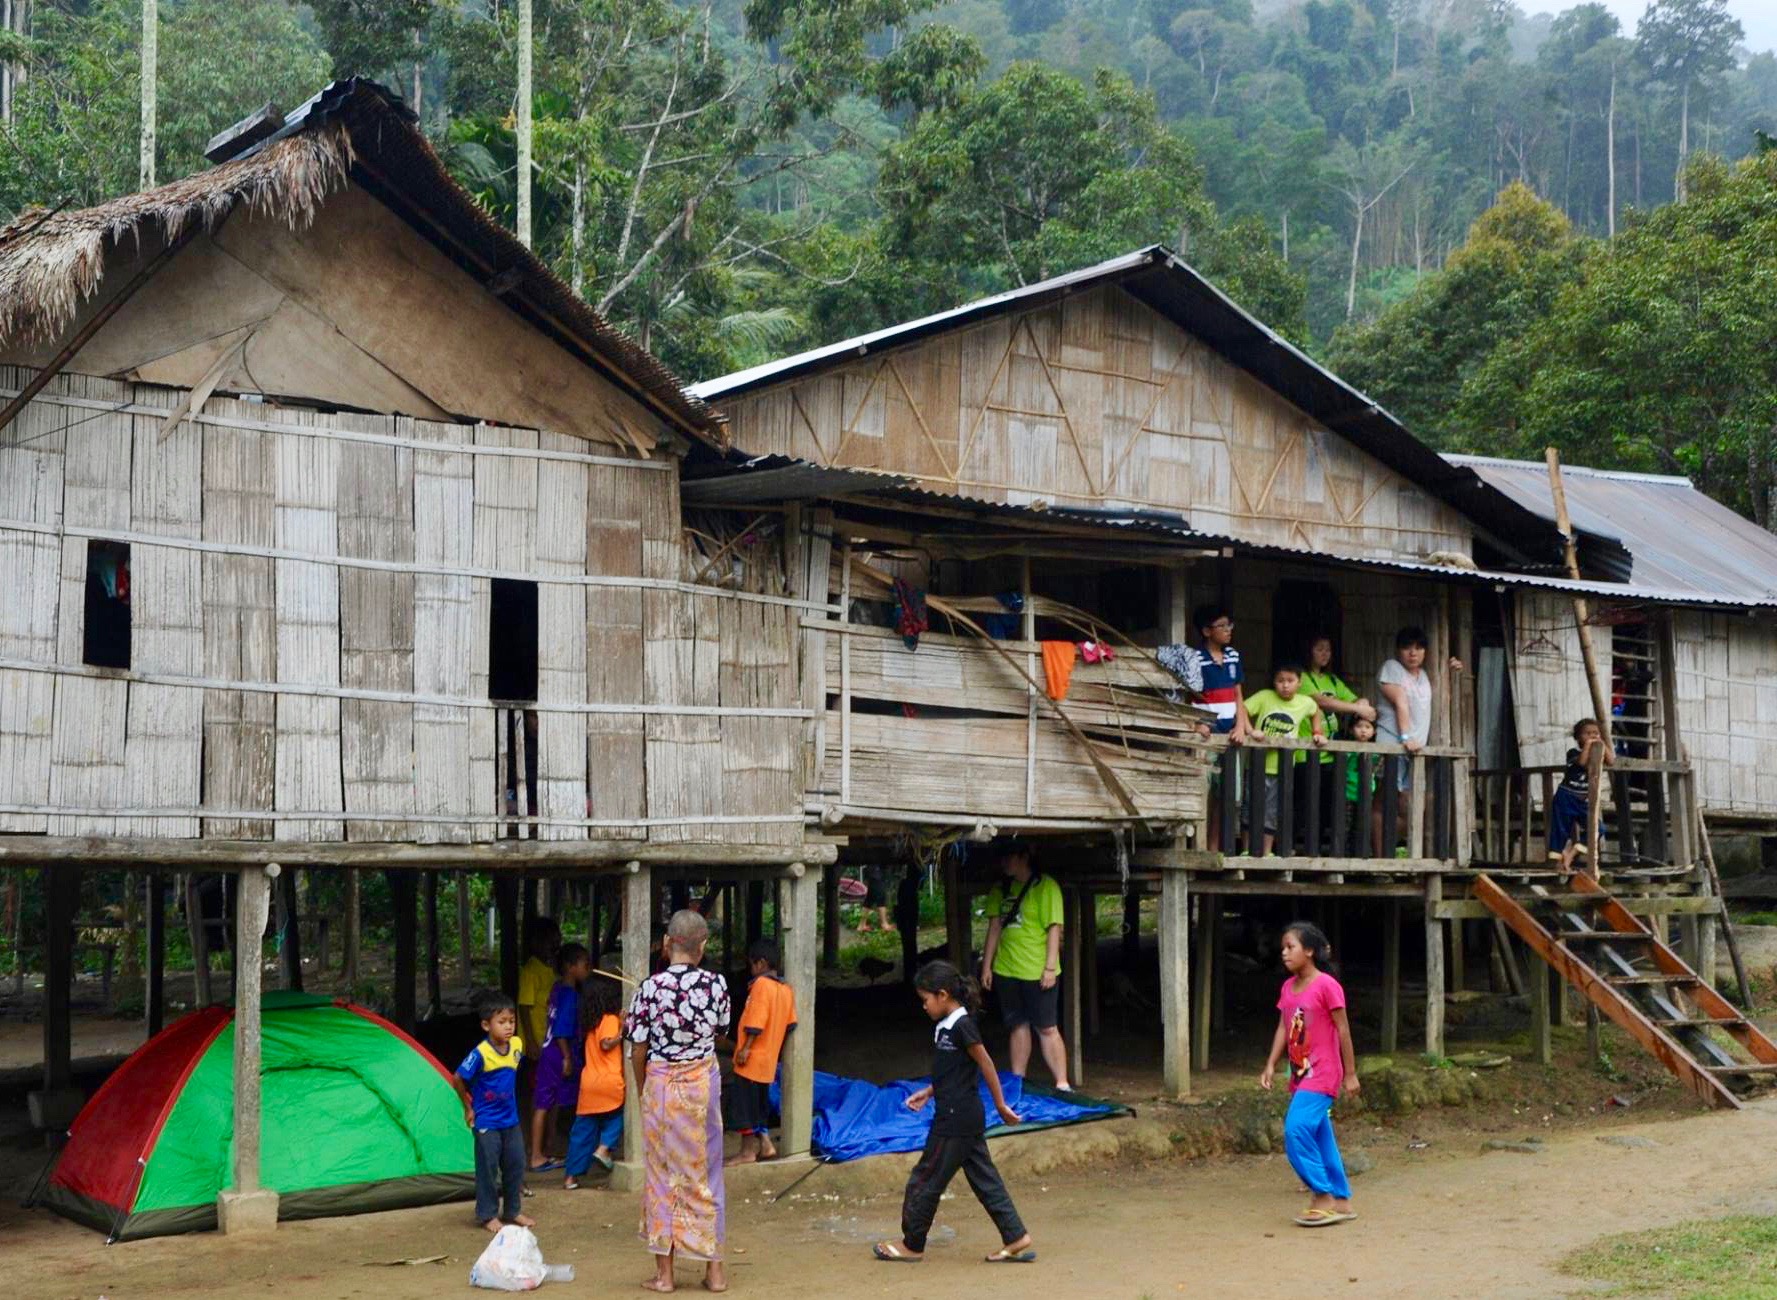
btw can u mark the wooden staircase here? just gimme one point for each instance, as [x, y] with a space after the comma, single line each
[1597, 945]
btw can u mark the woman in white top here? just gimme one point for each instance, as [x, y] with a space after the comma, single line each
[1403, 712]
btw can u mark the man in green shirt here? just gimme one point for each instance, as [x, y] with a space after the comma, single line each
[1022, 962]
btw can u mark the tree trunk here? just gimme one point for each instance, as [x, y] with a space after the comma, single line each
[1638, 160]
[150, 73]
[577, 272]
[524, 122]
[1610, 157]
[1286, 235]
[1357, 239]
[1684, 139]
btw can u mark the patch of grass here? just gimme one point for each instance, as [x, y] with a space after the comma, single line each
[1722, 1259]
[1755, 918]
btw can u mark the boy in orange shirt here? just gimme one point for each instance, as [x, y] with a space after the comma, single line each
[598, 1114]
[769, 1017]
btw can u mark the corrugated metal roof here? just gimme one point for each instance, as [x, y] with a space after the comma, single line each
[1680, 539]
[769, 478]
[1157, 277]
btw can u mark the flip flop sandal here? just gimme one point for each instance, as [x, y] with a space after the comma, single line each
[571, 1185]
[604, 1162]
[543, 1168]
[1004, 1256]
[889, 1253]
[1317, 1219]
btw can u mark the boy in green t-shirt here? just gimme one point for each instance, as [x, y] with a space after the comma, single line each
[1280, 713]
[1022, 962]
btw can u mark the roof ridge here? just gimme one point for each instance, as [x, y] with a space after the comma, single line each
[1639, 476]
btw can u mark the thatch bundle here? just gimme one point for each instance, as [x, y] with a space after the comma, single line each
[52, 262]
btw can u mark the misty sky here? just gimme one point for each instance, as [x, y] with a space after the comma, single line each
[1758, 17]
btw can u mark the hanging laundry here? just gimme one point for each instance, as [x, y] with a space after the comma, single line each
[1096, 652]
[1005, 627]
[1058, 667]
[910, 613]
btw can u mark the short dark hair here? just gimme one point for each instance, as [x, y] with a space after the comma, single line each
[1409, 636]
[764, 950]
[1288, 666]
[540, 929]
[568, 954]
[1583, 723]
[491, 1003]
[1208, 613]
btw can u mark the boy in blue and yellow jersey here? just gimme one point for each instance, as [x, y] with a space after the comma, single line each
[487, 1081]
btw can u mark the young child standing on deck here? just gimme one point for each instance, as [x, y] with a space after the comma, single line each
[558, 1067]
[1281, 713]
[958, 1139]
[1570, 831]
[769, 1017]
[1312, 1026]
[487, 1081]
[598, 1114]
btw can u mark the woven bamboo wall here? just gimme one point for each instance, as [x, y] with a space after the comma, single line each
[310, 607]
[1099, 400]
[1727, 700]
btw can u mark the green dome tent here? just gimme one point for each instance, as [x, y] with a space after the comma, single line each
[355, 1116]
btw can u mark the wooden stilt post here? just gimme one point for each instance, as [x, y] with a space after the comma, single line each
[54, 1108]
[506, 904]
[402, 892]
[638, 948]
[289, 931]
[155, 990]
[434, 978]
[1088, 967]
[958, 938]
[246, 1206]
[353, 938]
[1434, 968]
[199, 934]
[1175, 982]
[1391, 977]
[1458, 974]
[829, 916]
[1209, 913]
[755, 910]
[1131, 927]
[465, 933]
[801, 949]
[907, 917]
[1541, 1048]
[1073, 977]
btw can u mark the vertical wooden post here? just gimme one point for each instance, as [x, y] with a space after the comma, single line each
[289, 931]
[1089, 966]
[245, 1206]
[1073, 980]
[638, 946]
[1462, 815]
[199, 935]
[801, 949]
[1132, 924]
[403, 889]
[1028, 630]
[958, 932]
[845, 676]
[506, 904]
[1175, 982]
[156, 990]
[1417, 776]
[1541, 1048]
[352, 940]
[1391, 977]
[1209, 915]
[465, 933]
[1456, 964]
[54, 1108]
[434, 979]
[755, 911]
[907, 917]
[1434, 967]
[829, 916]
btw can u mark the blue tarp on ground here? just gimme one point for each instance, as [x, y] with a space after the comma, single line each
[853, 1118]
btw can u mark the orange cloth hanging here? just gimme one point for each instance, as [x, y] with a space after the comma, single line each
[1058, 667]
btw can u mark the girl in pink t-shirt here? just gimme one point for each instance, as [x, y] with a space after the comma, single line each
[1312, 1026]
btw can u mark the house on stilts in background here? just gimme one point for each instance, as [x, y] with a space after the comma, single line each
[1103, 452]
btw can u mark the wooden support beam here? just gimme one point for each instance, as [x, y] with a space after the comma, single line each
[755, 911]
[1132, 924]
[959, 930]
[245, 1205]
[434, 979]
[155, 896]
[1088, 968]
[1073, 965]
[907, 918]
[1456, 961]
[1391, 977]
[801, 949]
[352, 940]
[511, 943]
[1175, 983]
[1209, 914]
[466, 932]
[289, 931]
[1508, 958]
[403, 894]
[1541, 1047]
[1434, 968]
[199, 935]
[61, 898]
[638, 947]
[499, 856]
[830, 917]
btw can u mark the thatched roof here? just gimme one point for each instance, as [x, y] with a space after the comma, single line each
[357, 131]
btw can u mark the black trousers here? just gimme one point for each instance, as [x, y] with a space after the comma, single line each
[938, 1164]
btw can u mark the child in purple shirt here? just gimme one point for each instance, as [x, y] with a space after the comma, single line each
[558, 1068]
[1312, 1026]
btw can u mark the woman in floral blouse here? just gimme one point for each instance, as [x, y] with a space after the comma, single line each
[673, 1025]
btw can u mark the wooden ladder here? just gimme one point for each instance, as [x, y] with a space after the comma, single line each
[1597, 945]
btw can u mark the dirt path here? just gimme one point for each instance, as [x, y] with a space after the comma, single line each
[1442, 1222]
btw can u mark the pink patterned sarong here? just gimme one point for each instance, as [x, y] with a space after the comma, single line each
[684, 1202]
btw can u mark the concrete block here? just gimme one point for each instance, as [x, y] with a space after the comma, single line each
[627, 1176]
[54, 1109]
[241, 1212]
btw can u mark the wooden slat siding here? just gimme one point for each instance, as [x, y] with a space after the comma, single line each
[376, 521]
[240, 626]
[505, 539]
[163, 750]
[444, 533]
[808, 561]
[682, 658]
[31, 490]
[1549, 689]
[562, 643]
[309, 776]
[760, 767]
[615, 670]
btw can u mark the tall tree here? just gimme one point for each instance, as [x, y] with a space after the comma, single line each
[1686, 42]
[150, 75]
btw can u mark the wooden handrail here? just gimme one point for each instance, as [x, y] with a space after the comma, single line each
[1619, 766]
[1340, 747]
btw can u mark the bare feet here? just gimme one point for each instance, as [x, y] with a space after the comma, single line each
[715, 1278]
[768, 1152]
[525, 1221]
[493, 1225]
[743, 1158]
[655, 1284]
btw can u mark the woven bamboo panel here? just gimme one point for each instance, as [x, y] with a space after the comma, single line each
[444, 534]
[562, 533]
[616, 745]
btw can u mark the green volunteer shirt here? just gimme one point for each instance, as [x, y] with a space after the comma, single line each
[1024, 944]
[1318, 683]
[1273, 715]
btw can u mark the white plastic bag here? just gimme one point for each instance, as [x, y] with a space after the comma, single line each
[514, 1262]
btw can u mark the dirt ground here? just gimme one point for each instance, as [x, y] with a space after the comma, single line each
[1442, 1221]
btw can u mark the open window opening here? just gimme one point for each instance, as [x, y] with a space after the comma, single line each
[512, 641]
[105, 642]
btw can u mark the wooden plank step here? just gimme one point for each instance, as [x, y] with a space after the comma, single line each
[1760, 1068]
[1652, 979]
[1567, 936]
[1698, 1023]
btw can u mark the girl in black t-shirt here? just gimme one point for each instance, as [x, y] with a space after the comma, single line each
[958, 1139]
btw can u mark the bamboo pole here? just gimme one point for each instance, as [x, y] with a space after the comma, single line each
[1570, 556]
[524, 122]
[150, 75]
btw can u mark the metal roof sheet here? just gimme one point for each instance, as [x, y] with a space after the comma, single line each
[1680, 539]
